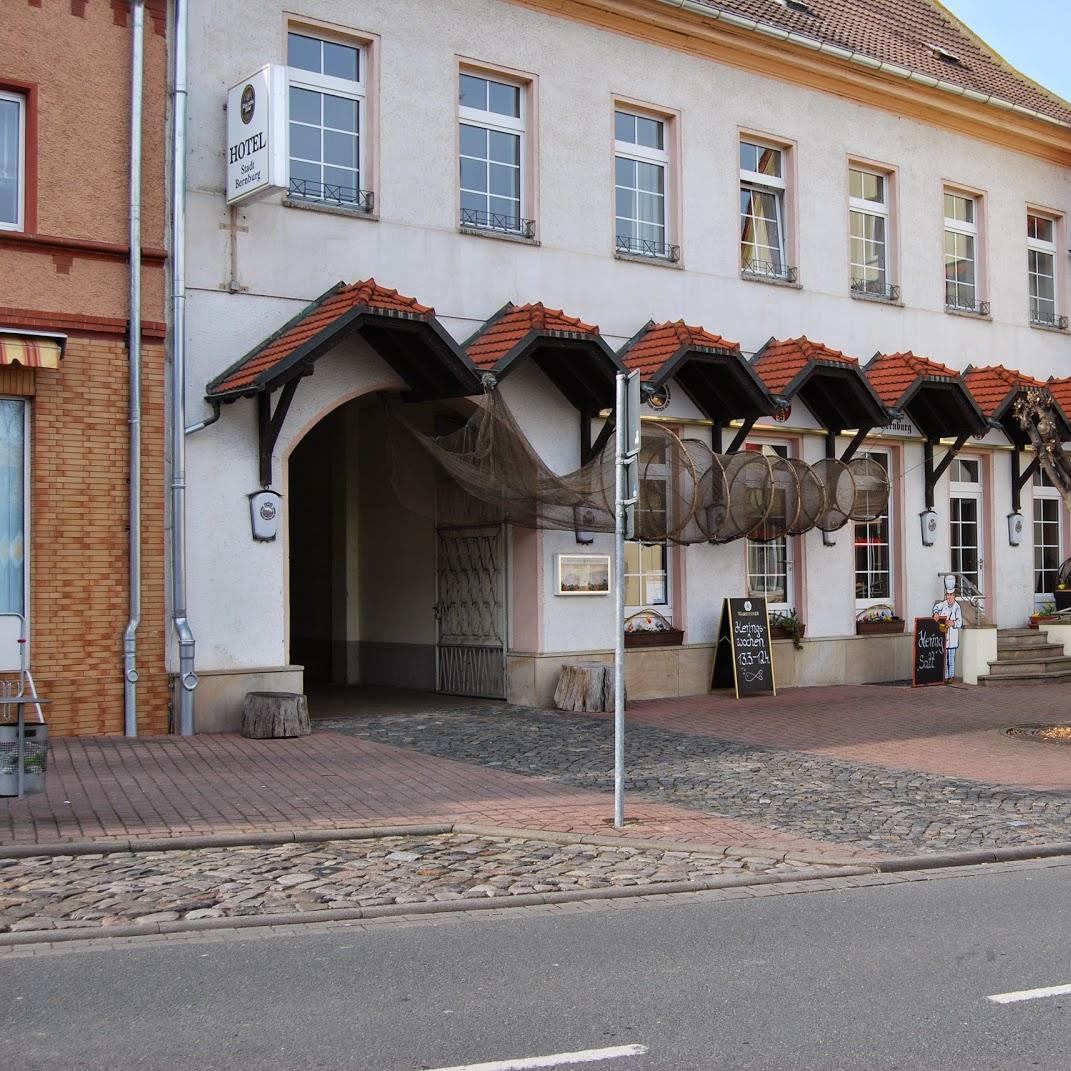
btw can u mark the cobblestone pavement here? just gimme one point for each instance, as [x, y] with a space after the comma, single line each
[121, 888]
[884, 810]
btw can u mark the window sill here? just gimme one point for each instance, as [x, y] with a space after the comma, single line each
[986, 317]
[770, 280]
[502, 236]
[656, 262]
[330, 210]
[1050, 327]
[877, 299]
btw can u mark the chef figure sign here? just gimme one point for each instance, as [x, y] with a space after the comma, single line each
[947, 612]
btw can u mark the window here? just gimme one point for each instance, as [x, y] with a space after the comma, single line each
[328, 121]
[769, 562]
[868, 201]
[492, 155]
[1041, 270]
[873, 560]
[965, 520]
[762, 211]
[647, 564]
[14, 414]
[641, 172]
[961, 252]
[12, 160]
[1047, 535]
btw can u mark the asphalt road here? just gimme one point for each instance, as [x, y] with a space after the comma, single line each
[892, 976]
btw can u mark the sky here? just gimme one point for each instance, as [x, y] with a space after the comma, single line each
[1032, 35]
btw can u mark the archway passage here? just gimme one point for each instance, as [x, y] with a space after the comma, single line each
[380, 595]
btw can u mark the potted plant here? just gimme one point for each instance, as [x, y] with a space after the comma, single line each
[786, 625]
[649, 628]
[1043, 613]
[879, 620]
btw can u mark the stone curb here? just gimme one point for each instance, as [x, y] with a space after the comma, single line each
[435, 907]
[972, 858]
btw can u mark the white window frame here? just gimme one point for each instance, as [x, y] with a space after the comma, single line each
[1045, 491]
[881, 210]
[19, 222]
[629, 150]
[660, 472]
[506, 124]
[790, 543]
[27, 490]
[969, 230]
[969, 489]
[778, 188]
[1038, 245]
[299, 78]
[886, 518]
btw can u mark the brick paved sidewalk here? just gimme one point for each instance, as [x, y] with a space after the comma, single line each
[221, 783]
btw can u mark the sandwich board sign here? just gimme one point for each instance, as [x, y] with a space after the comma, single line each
[742, 657]
[928, 659]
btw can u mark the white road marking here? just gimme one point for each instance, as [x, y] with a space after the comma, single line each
[559, 1059]
[1030, 994]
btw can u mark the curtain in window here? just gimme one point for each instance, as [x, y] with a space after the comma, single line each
[12, 505]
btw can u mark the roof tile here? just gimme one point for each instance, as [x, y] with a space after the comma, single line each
[782, 360]
[501, 333]
[893, 374]
[317, 317]
[657, 343]
[1061, 391]
[992, 384]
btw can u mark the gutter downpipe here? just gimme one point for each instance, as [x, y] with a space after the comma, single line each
[861, 59]
[130, 641]
[187, 678]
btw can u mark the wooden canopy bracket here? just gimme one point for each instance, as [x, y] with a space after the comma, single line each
[1020, 477]
[269, 424]
[590, 450]
[935, 472]
[741, 435]
[853, 446]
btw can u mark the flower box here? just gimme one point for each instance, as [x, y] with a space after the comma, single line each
[888, 627]
[669, 637]
[779, 633]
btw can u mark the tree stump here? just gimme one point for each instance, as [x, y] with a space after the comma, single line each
[270, 714]
[585, 686]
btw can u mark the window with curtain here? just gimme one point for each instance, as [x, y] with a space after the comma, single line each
[12, 506]
[762, 210]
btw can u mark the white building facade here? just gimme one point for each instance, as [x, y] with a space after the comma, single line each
[627, 163]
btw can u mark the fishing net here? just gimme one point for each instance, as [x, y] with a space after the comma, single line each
[871, 497]
[487, 471]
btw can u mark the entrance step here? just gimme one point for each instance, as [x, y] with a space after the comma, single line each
[1025, 656]
[1007, 679]
[1028, 654]
[1038, 667]
[1018, 638]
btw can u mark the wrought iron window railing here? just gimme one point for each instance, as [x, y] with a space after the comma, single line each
[330, 193]
[1048, 319]
[874, 288]
[643, 247]
[766, 269]
[497, 222]
[980, 308]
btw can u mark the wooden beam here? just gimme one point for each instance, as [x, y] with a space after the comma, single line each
[269, 424]
[741, 435]
[854, 445]
[934, 473]
[1020, 477]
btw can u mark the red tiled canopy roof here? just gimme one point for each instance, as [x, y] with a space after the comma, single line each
[907, 34]
[994, 384]
[781, 361]
[1061, 391]
[657, 343]
[311, 322]
[515, 322]
[892, 374]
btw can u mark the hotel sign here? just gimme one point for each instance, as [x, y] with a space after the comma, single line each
[257, 154]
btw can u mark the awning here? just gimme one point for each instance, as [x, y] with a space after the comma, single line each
[31, 350]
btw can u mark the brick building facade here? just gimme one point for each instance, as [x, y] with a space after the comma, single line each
[65, 270]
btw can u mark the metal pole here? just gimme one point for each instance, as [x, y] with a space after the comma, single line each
[130, 636]
[187, 676]
[619, 608]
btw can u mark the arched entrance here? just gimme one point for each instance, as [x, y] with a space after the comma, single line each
[381, 594]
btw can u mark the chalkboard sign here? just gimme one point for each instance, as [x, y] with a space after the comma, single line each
[929, 657]
[742, 659]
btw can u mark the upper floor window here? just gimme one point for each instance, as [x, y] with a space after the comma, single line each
[328, 120]
[492, 135]
[1041, 270]
[962, 284]
[869, 216]
[12, 161]
[762, 211]
[641, 186]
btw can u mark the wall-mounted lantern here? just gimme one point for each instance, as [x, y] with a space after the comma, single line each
[1015, 529]
[264, 514]
[928, 519]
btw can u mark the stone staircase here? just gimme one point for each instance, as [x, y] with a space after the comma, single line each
[1025, 656]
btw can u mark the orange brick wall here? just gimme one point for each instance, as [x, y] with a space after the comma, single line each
[79, 542]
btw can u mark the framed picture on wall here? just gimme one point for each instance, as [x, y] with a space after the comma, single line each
[583, 574]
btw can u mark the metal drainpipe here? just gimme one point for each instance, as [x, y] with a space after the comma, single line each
[130, 636]
[187, 676]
